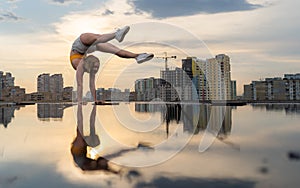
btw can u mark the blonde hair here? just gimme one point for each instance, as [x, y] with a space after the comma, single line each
[89, 62]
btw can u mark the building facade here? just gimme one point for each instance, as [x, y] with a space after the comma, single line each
[211, 78]
[197, 80]
[43, 83]
[56, 83]
[233, 89]
[8, 91]
[171, 84]
[148, 88]
[112, 94]
[195, 83]
[274, 89]
[218, 75]
[49, 88]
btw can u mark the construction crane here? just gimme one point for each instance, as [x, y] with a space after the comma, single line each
[166, 57]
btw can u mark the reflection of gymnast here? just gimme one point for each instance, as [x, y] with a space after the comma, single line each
[79, 152]
[80, 144]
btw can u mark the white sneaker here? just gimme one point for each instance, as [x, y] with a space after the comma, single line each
[144, 57]
[120, 33]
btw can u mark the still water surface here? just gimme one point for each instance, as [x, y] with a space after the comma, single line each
[150, 145]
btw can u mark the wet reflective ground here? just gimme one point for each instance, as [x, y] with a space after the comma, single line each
[149, 145]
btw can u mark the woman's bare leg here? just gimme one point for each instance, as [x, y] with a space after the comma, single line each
[91, 38]
[109, 48]
[105, 38]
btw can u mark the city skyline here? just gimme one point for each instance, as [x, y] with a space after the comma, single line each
[61, 86]
[257, 35]
[196, 79]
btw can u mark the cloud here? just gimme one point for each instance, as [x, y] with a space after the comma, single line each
[196, 182]
[13, 1]
[175, 8]
[9, 16]
[107, 12]
[63, 2]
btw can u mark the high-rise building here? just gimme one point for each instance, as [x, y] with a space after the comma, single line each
[233, 89]
[6, 81]
[293, 86]
[198, 80]
[248, 92]
[148, 88]
[194, 79]
[171, 88]
[56, 83]
[1, 82]
[187, 77]
[52, 84]
[8, 90]
[211, 78]
[50, 87]
[43, 83]
[219, 77]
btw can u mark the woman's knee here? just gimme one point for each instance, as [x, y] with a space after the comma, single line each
[88, 38]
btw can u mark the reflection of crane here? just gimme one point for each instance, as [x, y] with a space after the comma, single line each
[166, 57]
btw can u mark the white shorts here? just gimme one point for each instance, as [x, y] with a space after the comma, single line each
[79, 46]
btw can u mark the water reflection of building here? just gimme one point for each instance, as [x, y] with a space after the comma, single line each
[146, 107]
[287, 108]
[172, 112]
[292, 109]
[169, 112]
[195, 117]
[6, 114]
[47, 111]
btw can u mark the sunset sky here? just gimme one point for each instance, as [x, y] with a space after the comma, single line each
[260, 36]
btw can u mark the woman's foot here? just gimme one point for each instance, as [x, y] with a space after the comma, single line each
[141, 58]
[120, 33]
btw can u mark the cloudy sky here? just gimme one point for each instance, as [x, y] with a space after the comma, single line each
[260, 36]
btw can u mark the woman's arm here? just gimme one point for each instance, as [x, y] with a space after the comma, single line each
[92, 86]
[79, 79]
